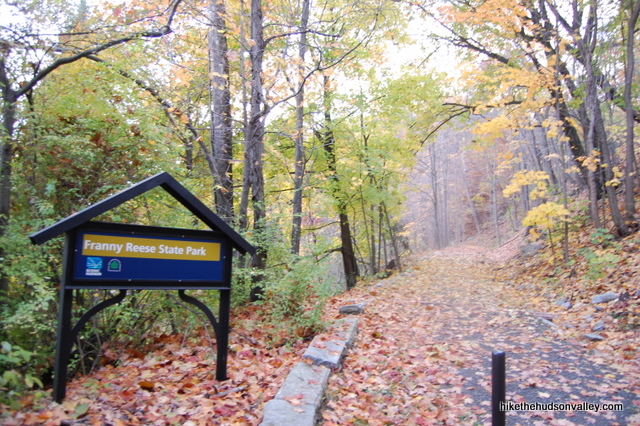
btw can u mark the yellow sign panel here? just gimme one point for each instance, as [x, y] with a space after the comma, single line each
[149, 248]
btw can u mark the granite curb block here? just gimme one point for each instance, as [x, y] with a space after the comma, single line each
[300, 396]
[328, 349]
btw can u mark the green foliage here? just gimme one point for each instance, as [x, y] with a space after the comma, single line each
[83, 141]
[242, 280]
[295, 288]
[295, 300]
[598, 261]
[15, 374]
[602, 237]
[29, 309]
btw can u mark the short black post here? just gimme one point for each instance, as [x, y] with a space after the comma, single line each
[498, 388]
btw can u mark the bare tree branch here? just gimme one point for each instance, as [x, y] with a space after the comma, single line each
[162, 31]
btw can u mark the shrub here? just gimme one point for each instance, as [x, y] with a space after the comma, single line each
[15, 374]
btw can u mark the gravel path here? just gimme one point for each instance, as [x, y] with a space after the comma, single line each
[423, 355]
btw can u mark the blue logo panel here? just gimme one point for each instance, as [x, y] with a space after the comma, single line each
[147, 259]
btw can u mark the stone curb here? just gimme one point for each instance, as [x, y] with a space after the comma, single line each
[300, 396]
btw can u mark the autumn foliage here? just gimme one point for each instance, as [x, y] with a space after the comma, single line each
[341, 139]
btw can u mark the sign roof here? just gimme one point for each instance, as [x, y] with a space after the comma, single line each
[166, 182]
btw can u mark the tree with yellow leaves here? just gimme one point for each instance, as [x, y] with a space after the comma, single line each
[544, 218]
[552, 59]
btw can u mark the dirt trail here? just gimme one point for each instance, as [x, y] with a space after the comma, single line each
[423, 354]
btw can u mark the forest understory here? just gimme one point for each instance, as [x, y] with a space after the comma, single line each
[422, 355]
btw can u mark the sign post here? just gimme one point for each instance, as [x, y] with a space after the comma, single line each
[112, 256]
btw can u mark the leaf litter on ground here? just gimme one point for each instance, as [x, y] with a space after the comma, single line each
[422, 357]
[423, 353]
[174, 383]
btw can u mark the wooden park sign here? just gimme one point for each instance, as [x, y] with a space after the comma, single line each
[112, 256]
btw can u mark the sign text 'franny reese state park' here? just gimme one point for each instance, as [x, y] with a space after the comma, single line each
[123, 256]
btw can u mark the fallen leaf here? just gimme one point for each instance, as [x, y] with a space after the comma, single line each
[146, 385]
[295, 400]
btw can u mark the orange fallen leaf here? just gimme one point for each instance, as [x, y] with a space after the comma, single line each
[295, 400]
[146, 385]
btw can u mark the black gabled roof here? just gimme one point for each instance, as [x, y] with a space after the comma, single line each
[169, 184]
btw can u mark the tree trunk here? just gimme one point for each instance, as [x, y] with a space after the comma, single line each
[221, 128]
[629, 178]
[6, 154]
[369, 233]
[254, 142]
[491, 168]
[433, 174]
[382, 248]
[348, 254]
[299, 160]
[243, 215]
[546, 158]
[394, 239]
[596, 135]
[349, 262]
[607, 157]
[590, 131]
[444, 204]
[467, 191]
[374, 258]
